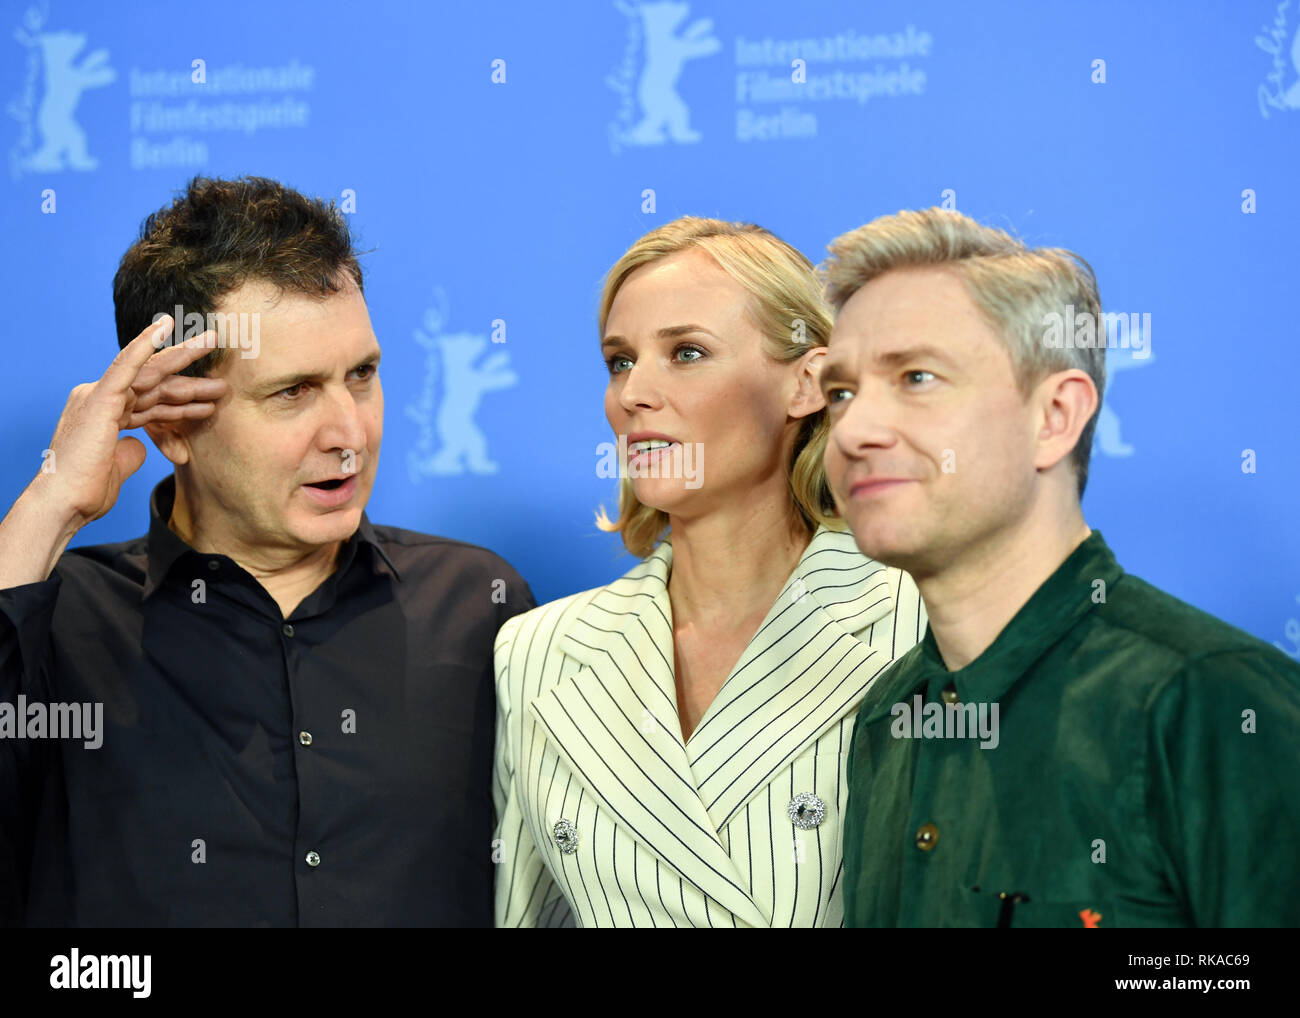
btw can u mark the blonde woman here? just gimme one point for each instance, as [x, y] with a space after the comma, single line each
[671, 747]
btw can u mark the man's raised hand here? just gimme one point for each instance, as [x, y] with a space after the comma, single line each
[141, 386]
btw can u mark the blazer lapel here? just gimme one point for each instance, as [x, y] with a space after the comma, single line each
[803, 671]
[615, 723]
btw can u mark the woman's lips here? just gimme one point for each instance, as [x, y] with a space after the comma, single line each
[649, 455]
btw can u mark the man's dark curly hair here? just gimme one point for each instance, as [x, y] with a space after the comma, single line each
[221, 234]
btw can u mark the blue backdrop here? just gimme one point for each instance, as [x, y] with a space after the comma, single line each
[497, 158]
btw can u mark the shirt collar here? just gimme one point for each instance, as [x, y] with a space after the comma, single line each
[831, 570]
[166, 546]
[1062, 600]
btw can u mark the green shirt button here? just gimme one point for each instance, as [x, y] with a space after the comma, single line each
[926, 836]
[949, 693]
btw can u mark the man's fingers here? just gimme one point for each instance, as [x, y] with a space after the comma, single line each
[135, 358]
[184, 354]
[173, 359]
[170, 412]
[126, 365]
[180, 389]
[129, 457]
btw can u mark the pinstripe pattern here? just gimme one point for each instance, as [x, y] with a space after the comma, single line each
[695, 834]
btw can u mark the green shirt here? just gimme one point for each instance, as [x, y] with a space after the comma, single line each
[1144, 770]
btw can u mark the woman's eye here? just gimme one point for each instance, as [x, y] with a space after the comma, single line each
[684, 354]
[832, 395]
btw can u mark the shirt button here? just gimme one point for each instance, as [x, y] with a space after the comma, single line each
[926, 836]
[287, 629]
[949, 693]
[806, 811]
[566, 836]
[304, 738]
[313, 859]
[213, 565]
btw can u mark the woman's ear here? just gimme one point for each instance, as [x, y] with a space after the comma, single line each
[808, 397]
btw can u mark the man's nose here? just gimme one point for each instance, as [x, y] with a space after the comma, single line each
[864, 424]
[343, 427]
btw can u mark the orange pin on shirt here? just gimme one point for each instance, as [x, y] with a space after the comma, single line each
[1090, 918]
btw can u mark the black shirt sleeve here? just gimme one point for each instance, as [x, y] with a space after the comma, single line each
[26, 613]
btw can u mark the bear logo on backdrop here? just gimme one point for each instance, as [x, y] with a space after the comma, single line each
[52, 62]
[457, 376]
[1275, 93]
[1109, 441]
[654, 43]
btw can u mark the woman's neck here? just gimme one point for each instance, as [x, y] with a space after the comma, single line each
[729, 566]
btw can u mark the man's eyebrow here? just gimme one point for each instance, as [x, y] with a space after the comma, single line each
[833, 371]
[667, 332]
[897, 358]
[302, 377]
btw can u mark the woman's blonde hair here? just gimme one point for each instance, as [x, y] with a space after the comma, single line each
[789, 310]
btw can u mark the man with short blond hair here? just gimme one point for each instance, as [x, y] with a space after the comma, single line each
[1068, 746]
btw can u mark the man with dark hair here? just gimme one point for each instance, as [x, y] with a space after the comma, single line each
[267, 711]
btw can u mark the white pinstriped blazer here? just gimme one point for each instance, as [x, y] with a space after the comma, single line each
[686, 834]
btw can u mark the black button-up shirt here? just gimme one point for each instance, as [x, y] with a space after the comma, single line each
[329, 769]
